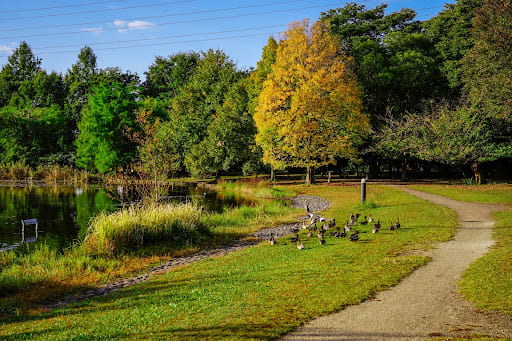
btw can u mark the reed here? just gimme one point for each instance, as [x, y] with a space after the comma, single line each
[134, 227]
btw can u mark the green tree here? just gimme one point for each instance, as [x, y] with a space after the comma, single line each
[487, 67]
[453, 136]
[166, 76]
[79, 81]
[34, 135]
[103, 144]
[229, 143]
[393, 59]
[309, 110]
[450, 31]
[43, 90]
[194, 108]
[21, 66]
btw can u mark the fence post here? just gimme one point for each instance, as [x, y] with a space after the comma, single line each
[363, 191]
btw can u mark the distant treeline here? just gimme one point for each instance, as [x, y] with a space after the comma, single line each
[358, 89]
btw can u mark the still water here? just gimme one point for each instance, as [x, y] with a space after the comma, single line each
[64, 212]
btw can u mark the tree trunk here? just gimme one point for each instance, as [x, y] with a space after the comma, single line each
[272, 174]
[310, 175]
[477, 170]
[404, 168]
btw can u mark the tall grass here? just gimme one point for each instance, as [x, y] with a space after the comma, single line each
[134, 227]
[20, 170]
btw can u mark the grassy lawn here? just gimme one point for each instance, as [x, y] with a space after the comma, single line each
[488, 281]
[260, 292]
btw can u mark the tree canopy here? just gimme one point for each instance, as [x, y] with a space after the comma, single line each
[309, 110]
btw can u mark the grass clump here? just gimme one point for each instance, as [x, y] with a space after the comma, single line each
[134, 227]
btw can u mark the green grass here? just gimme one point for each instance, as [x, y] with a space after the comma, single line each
[488, 281]
[260, 292]
[482, 193]
[123, 243]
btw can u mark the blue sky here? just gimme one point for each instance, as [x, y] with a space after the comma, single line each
[130, 33]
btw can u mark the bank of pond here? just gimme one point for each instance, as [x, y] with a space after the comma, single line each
[89, 235]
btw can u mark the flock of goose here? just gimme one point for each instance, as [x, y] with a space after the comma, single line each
[327, 224]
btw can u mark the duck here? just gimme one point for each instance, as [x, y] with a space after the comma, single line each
[370, 219]
[354, 237]
[272, 240]
[375, 229]
[364, 222]
[294, 238]
[332, 223]
[314, 228]
[343, 234]
[309, 234]
[397, 224]
[322, 241]
[300, 246]
[347, 227]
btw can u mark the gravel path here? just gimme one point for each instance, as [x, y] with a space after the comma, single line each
[315, 204]
[427, 303]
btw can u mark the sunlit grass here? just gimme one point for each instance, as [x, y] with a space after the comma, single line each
[495, 193]
[264, 291]
[124, 242]
[488, 281]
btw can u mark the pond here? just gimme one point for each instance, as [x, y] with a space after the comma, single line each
[63, 212]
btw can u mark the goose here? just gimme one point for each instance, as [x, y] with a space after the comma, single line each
[294, 238]
[354, 237]
[370, 219]
[397, 224]
[272, 240]
[300, 246]
[364, 222]
[392, 227]
[320, 234]
[324, 227]
[377, 225]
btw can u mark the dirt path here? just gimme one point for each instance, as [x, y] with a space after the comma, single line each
[426, 304]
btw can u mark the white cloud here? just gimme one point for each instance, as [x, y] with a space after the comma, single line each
[139, 25]
[7, 49]
[120, 23]
[92, 29]
[125, 26]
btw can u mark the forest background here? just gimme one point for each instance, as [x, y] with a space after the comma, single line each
[358, 90]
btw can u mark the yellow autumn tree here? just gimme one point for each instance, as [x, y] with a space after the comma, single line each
[309, 111]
